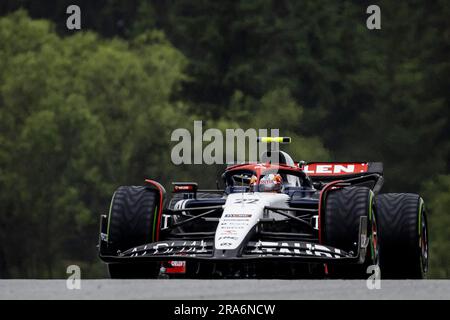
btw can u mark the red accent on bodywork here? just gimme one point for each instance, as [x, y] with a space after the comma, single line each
[183, 188]
[176, 267]
[325, 169]
[260, 168]
[161, 195]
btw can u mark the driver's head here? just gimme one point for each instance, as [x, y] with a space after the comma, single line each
[271, 183]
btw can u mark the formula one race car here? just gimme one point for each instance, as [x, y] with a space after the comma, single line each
[274, 219]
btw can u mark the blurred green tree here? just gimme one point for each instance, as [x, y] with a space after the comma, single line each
[78, 117]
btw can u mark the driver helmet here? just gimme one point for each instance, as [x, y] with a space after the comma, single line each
[271, 183]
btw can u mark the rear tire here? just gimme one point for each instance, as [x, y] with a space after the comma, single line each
[343, 210]
[403, 236]
[131, 223]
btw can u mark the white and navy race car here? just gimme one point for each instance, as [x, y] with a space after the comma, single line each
[274, 219]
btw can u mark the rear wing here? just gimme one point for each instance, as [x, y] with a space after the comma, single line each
[369, 174]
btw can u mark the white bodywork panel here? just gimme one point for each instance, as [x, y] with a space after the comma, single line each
[241, 213]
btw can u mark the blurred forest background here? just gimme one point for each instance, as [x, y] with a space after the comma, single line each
[82, 112]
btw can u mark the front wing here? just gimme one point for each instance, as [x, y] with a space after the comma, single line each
[203, 250]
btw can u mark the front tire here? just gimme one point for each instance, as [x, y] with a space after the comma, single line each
[131, 222]
[403, 236]
[343, 210]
